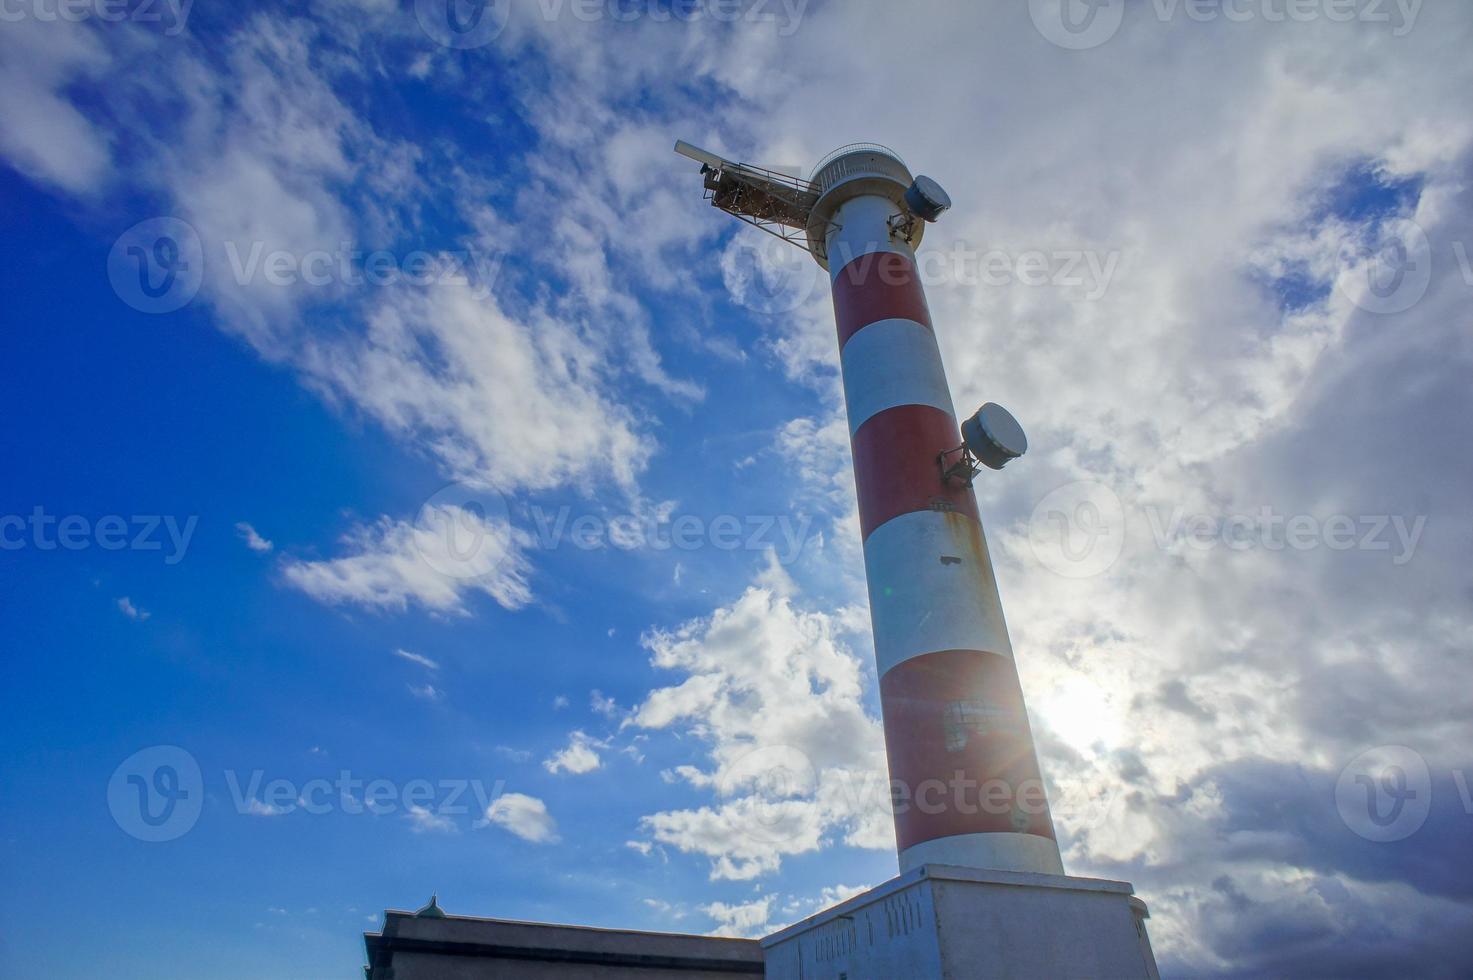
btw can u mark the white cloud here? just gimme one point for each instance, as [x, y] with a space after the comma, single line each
[525, 816]
[258, 808]
[515, 755]
[496, 400]
[252, 539]
[603, 705]
[416, 658]
[426, 821]
[41, 133]
[261, 152]
[580, 756]
[426, 692]
[834, 894]
[393, 563]
[126, 607]
[747, 920]
[794, 759]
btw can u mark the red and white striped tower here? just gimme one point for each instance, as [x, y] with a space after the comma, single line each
[962, 763]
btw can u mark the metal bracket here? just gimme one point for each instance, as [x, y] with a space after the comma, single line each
[904, 226]
[959, 465]
[775, 202]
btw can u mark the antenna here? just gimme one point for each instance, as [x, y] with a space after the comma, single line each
[991, 438]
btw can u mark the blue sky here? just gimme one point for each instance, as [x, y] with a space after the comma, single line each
[1218, 268]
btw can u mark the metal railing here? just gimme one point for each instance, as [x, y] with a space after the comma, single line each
[855, 148]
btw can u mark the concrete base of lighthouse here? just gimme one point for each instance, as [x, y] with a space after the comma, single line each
[957, 923]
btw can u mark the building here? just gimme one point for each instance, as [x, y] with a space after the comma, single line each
[430, 945]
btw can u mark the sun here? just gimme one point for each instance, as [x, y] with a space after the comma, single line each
[1082, 713]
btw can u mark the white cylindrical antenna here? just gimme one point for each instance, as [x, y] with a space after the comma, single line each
[699, 155]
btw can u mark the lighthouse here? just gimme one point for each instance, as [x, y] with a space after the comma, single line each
[966, 788]
[982, 889]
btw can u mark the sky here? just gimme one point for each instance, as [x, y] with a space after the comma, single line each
[411, 485]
